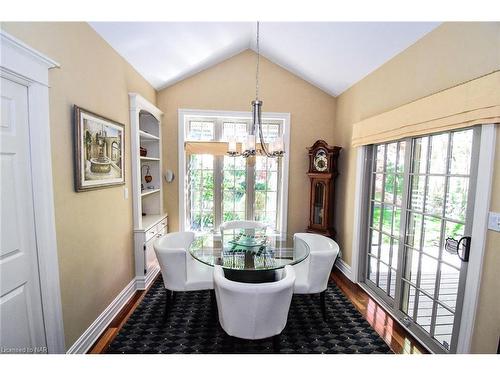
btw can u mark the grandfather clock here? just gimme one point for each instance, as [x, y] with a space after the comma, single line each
[322, 173]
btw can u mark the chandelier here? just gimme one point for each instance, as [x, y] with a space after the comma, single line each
[273, 149]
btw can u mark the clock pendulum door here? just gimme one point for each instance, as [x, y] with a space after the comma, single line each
[322, 173]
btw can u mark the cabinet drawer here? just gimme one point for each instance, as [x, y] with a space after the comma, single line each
[160, 230]
[163, 223]
[151, 233]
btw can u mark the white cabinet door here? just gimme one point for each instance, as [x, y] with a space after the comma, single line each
[21, 317]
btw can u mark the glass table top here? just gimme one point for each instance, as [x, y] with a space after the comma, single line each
[249, 249]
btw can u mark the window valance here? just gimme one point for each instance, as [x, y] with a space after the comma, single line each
[470, 103]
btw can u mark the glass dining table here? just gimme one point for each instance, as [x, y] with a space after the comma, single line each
[249, 254]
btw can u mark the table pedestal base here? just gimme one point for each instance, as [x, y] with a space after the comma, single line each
[250, 276]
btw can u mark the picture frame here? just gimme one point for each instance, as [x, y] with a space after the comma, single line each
[99, 151]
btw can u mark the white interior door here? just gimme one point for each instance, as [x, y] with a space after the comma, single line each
[21, 316]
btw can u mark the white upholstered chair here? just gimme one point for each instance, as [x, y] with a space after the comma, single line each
[254, 311]
[312, 273]
[180, 271]
[245, 224]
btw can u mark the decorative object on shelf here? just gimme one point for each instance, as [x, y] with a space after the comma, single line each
[143, 151]
[99, 151]
[322, 173]
[147, 177]
[273, 149]
[169, 175]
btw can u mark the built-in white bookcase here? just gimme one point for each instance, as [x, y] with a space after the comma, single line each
[150, 221]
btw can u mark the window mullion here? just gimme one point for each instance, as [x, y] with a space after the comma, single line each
[403, 225]
[250, 182]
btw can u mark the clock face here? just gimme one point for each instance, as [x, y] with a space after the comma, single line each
[320, 161]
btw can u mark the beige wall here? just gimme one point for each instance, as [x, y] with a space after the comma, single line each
[230, 86]
[451, 54]
[94, 229]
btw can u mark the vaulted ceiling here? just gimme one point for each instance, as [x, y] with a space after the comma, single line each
[331, 55]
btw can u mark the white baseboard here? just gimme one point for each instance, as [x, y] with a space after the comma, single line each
[91, 334]
[344, 268]
[143, 282]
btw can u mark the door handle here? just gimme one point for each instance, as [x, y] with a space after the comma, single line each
[453, 247]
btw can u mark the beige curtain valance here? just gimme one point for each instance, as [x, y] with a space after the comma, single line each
[470, 103]
[212, 148]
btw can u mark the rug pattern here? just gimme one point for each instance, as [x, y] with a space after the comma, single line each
[192, 327]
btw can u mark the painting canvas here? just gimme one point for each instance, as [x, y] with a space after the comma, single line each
[100, 153]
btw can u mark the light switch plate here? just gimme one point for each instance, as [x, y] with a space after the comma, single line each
[494, 221]
[125, 193]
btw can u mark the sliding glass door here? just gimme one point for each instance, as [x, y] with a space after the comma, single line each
[420, 208]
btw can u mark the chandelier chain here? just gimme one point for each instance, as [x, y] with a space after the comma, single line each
[258, 61]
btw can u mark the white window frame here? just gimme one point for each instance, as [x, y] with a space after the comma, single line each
[283, 188]
[482, 202]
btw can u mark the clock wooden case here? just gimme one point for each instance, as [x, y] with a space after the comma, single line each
[322, 173]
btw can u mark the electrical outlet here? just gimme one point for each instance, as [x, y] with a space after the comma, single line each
[494, 221]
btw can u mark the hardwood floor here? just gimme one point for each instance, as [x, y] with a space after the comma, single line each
[117, 323]
[398, 339]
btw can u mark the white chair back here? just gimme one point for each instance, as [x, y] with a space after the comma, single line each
[245, 224]
[171, 254]
[253, 311]
[313, 273]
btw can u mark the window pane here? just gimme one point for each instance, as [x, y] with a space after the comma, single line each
[375, 238]
[376, 215]
[389, 188]
[372, 269]
[439, 150]
[428, 272]
[424, 312]
[200, 131]
[432, 236]
[234, 129]
[379, 161]
[379, 178]
[435, 195]
[456, 198]
[392, 288]
[409, 299]
[392, 151]
[417, 192]
[385, 248]
[234, 189]
[444, 326]
[461, 152]
[395, 253]
[272, 181]
[387, 219]
[411, 265]
[383, 276]
[448, 287]
[420, 146]
[401, 157]
[414, 230]
[399, 189]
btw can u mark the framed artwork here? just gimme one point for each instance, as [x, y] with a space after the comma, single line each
[99, 151]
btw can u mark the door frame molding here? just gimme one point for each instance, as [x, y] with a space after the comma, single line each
[479, 230]
[482, 203]
[26, 66]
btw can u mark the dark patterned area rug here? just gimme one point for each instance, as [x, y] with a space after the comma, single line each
[192, 327]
